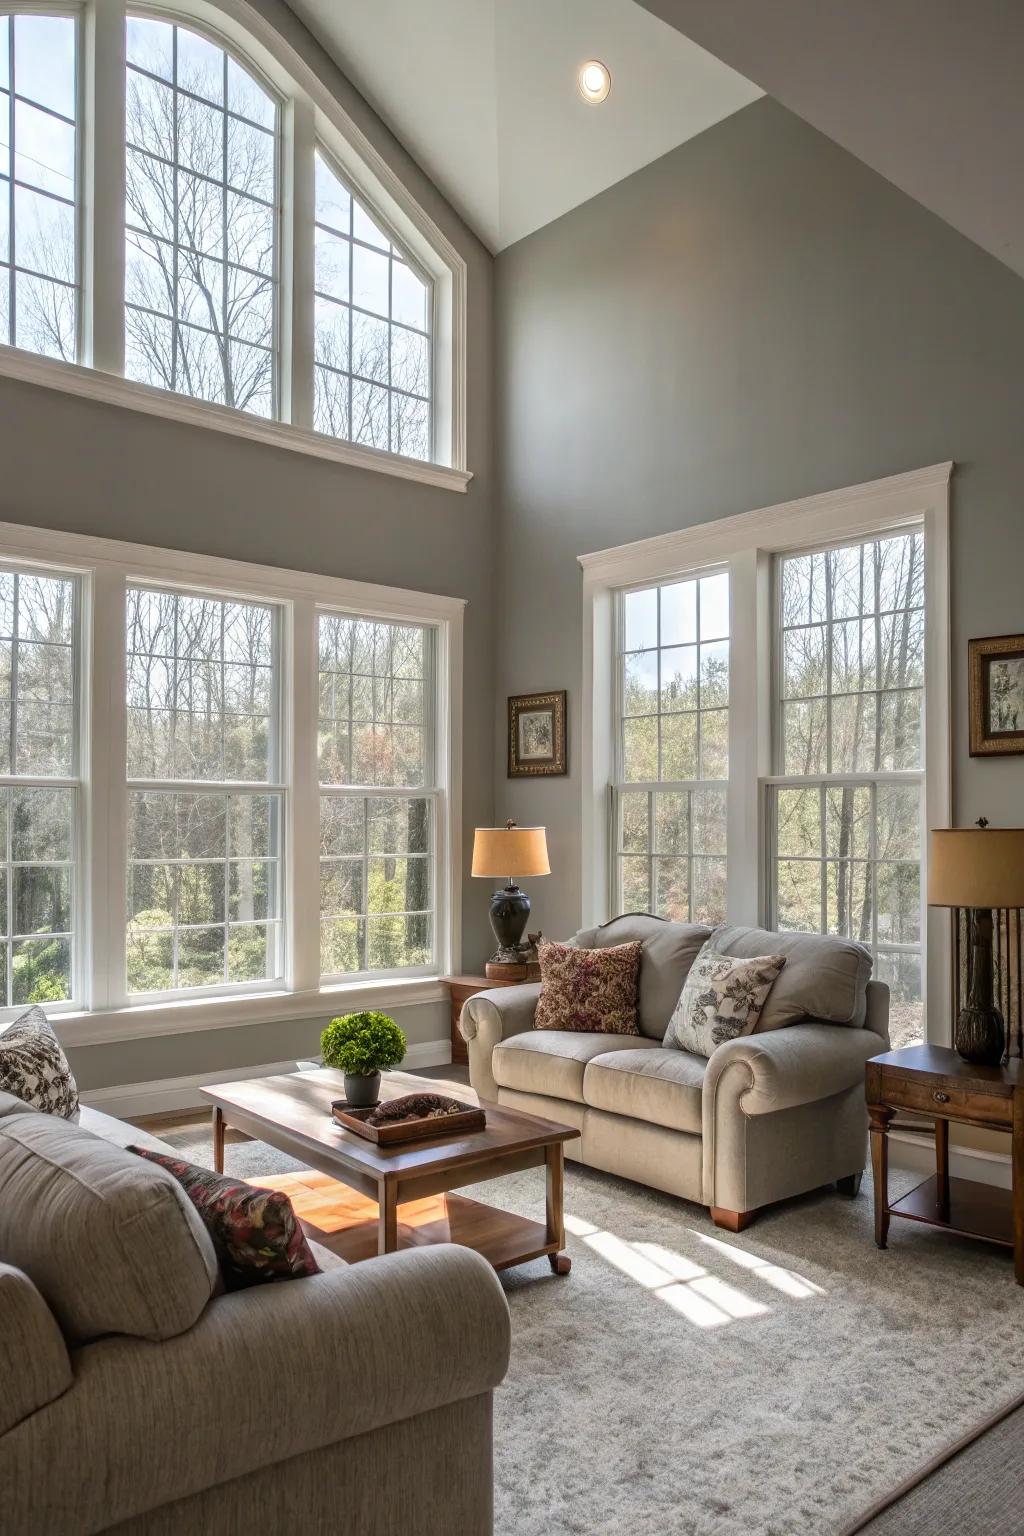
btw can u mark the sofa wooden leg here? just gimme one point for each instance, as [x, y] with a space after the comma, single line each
[731, 1221]
[850, 1185]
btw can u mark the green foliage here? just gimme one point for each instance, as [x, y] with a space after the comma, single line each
[362, 1042]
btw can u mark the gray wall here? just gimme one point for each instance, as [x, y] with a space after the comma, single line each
[754, 317]
[70, 464]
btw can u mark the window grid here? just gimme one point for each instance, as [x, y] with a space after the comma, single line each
[255, 389]
[155, 948]
[845, 786]
[377, 933]
[39, 791]
[44, 317]
[670, 844]
[417, 442]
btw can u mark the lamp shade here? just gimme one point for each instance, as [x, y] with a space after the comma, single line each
[976, 867]
[510, 851]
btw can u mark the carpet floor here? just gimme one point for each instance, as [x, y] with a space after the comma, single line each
[684, 1382]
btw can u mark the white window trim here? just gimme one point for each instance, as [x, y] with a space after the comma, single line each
[310, 112]
[747, 543]
[105, 567]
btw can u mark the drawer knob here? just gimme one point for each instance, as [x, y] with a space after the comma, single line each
[941, 1098]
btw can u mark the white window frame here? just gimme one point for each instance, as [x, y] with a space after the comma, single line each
[432, 790]
[747, 544]
[620, 785]
[309, 113]
[103, 1011]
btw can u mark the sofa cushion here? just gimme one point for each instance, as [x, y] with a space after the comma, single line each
[255, 1231]
[825, 978]
[112, 1243]
[34, 1068]
[34, 1364]
[662, 1087]
[552, 1062]
[590, 990]
[669, 951]
[723, 997]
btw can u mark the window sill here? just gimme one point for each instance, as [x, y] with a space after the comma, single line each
[92, 384]
[142, 1021]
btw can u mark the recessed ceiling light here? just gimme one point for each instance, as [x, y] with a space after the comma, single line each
[594, 81]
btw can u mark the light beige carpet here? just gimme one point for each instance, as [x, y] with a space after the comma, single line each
[683, 1382]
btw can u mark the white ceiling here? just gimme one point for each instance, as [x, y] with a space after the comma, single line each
[483, 94]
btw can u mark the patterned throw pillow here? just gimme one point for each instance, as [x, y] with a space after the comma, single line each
[591, 990]
[722, 998]
[34, 1068]
[255, 1231]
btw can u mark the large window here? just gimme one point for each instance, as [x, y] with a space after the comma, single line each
[378, 797]
[239, 243]
[846, 805]
[372, 328]
[38, 184]
[673, 748]
[201, 220]
[39, 790]
[204, 870]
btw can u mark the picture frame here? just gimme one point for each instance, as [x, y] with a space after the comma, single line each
[537, 735]
[996, 695]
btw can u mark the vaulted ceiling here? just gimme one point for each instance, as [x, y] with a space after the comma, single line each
[927, 92]
[483, 94]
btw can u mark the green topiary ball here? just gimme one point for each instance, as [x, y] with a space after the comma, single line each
[361, 1043]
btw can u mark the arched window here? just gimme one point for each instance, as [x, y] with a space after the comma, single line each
[200, 220]
[239, 242]
[38, 184]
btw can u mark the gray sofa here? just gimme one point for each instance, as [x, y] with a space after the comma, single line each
[136, 1399]
[767, 1116]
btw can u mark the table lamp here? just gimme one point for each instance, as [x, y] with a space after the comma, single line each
[510, 851]
[982, 869]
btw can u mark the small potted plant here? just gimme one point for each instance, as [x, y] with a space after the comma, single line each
[360, 1044]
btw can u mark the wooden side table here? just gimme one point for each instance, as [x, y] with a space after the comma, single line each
[932, 1080]
[462, 988]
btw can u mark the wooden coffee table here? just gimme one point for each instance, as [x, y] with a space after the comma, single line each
[362, 1200]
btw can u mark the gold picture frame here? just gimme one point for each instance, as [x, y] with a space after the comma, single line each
[996, 695]
[537, 736]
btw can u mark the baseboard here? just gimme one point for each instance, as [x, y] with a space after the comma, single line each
[128, 1100]
[916, 1150]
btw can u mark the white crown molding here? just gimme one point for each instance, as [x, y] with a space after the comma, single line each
[787, 525]
[144, 1021]
[183, 1093]
[109, 389]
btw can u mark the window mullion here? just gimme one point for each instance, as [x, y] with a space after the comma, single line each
[303, 801]
[102, 55]
[298, 263]
[104, 755]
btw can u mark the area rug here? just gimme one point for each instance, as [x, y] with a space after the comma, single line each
[684, 1382]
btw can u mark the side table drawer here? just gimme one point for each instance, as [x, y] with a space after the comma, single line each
[956, 1103]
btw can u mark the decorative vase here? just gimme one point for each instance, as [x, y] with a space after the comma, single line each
[362, 1089]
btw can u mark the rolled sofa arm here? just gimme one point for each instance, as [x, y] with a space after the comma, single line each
[264, 1375]
[877, 1015]
[489, 1018]
[788, 1069]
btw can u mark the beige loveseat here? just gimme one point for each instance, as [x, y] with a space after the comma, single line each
[769, 1115]
[135, 1399]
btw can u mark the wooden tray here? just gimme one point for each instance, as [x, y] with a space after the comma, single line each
[469, 1118]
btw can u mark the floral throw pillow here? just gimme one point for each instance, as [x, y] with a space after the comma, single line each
[590, 990]
[255, 1232]
[722, 998]
[34, 1068]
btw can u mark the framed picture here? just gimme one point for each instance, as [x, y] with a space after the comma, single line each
[996, 695]
[537, 745]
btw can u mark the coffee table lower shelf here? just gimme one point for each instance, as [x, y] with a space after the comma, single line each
[973, 1209]
[347, 1223]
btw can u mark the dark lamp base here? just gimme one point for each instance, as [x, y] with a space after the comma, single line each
[509, 914]
[980, 1036]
